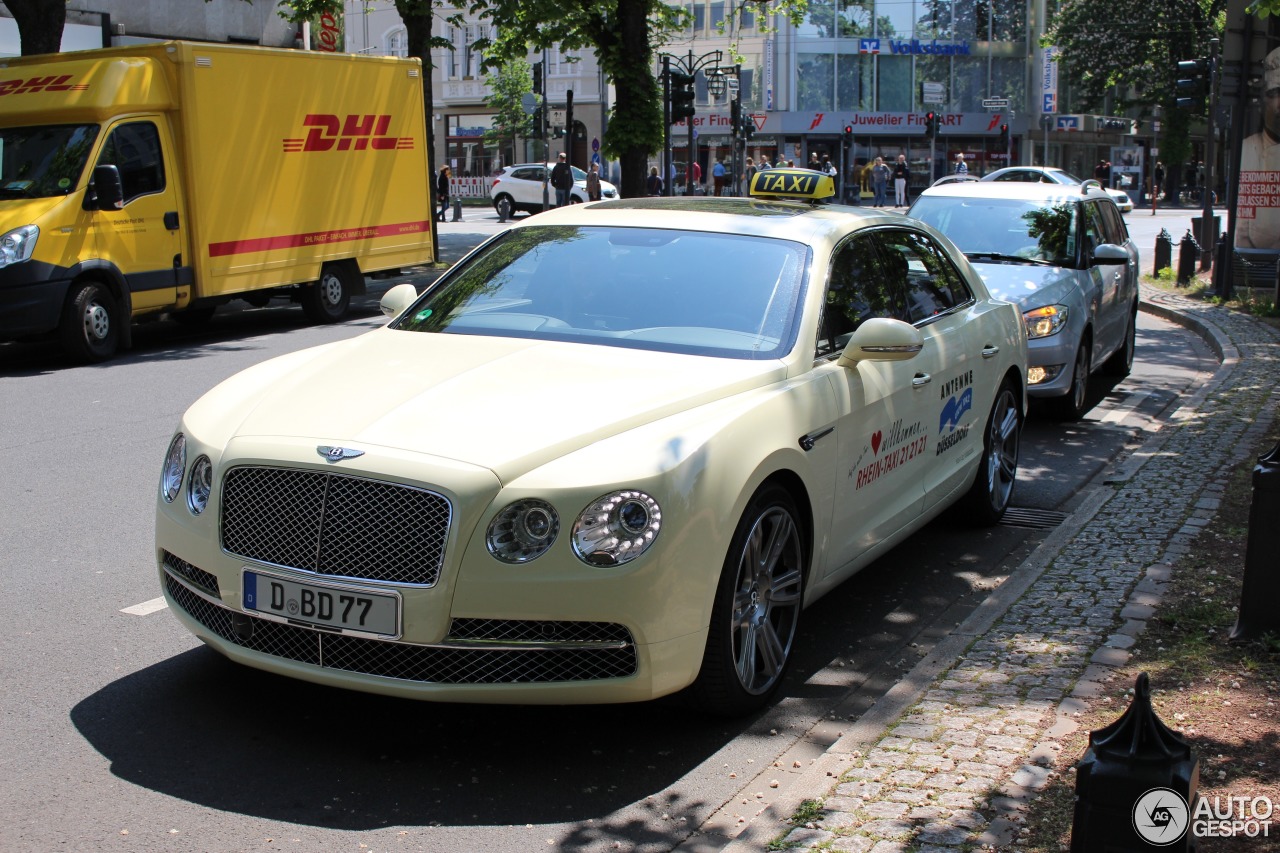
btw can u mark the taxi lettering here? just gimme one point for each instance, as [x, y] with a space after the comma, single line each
[784, 183]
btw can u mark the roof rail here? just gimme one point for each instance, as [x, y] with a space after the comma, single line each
[1084, 185]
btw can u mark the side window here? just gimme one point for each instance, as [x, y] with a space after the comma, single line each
[1094, 230]
[1116, 230]
[862, 285]
[930, 281]
[134, 149]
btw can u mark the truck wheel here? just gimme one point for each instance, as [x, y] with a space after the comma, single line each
[756, 612]
[328, 300]
[90, 323]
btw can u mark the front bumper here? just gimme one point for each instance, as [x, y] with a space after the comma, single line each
[1056, 352]
[31, 298]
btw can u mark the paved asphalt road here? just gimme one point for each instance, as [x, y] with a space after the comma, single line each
[123, 733]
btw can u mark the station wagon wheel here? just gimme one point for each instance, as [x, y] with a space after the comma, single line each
[328, 300]
[1073, 405]
[90, 323]
[757, 608]
[998, 470]
[1121, 361]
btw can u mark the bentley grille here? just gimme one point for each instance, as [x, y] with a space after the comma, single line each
[595, 650]
[334, 524]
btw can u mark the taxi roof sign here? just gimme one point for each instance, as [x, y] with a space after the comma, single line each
[792, 183]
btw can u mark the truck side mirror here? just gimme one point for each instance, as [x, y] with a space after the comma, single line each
[105, 190]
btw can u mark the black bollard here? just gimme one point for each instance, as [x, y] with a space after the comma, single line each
[504, 209]
[457, 210]
[1261, 588]
[1188, 254]
[1164, 251]
[1136, 785]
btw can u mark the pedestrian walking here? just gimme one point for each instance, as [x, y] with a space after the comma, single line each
[1159, 179]
[697, 176]
[442, 191]
[901, 174]
[562, 180]
[880, 174]
[748, 173]
[829, 167]
[653, 183]
[717, 177]
[962, 168]
[593, 182]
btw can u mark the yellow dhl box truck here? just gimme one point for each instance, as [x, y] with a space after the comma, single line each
[174, 177]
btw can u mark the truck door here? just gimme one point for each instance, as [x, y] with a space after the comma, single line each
[144, 239]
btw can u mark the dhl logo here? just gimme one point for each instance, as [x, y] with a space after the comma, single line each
[41, 84]
[355, 132]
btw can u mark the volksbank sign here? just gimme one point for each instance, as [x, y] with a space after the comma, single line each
[915, 46]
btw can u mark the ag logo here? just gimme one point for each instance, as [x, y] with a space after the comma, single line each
[1160, 816]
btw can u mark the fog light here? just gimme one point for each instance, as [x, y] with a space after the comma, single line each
[1041, 375]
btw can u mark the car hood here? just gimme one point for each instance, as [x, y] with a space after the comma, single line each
[505, 404]
[14, 213]
[1027, 285]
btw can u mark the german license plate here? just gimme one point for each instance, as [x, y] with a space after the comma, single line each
[355, 610]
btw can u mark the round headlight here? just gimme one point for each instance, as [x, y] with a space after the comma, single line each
[616, 528]
[523, 531]
[175, 463]
[200, 486]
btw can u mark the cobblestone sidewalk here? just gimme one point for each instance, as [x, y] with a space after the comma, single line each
[976, 740]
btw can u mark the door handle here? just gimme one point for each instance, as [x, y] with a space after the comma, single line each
[990, 351]
[920, 380]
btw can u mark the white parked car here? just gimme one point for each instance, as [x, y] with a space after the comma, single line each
[611, 455]
[1054, 175]
[521, 186]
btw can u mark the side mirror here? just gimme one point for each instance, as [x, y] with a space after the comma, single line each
[1110, 253]
[882, 339]
[398, 298]
[105, 190]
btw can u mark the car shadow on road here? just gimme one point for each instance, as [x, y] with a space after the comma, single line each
[200, 728]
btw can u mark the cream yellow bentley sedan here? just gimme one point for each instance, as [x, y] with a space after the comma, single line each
[611, 455]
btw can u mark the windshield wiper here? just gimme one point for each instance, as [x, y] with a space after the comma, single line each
[997, 256]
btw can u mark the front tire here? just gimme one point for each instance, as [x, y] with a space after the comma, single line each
[1073, 405]
[90, 328]
[756, 611]
[329, 299]
[991, 492]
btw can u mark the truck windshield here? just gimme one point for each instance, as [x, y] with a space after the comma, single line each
[39, 162]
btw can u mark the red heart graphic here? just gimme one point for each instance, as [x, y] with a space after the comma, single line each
[875, 442]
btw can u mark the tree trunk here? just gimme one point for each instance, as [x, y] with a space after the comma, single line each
[633, 130]
[40, 24]
[417, 26]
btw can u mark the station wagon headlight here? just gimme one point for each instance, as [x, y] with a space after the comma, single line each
[175, 463]
[200, 486]
[17, 245]
[1046, 321]
[616, 528]
[523, 531]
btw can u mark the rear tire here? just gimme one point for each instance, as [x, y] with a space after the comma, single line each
[756, 612]
[329, 299]
[992, 490]
[1121, 361]
[90, 328]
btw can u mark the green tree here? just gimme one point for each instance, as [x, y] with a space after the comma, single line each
[1126, 53]
[508, 84]
[40, 24]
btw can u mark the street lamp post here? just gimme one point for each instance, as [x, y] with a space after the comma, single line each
[690, 67]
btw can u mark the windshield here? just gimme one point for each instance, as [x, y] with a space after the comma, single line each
[38, 162]
[686, 292]
[1004, 229]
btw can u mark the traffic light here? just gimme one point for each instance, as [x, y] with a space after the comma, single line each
[1193, 83]
[681, 95]
[1004, 136]
[848, 134]
[735, 113]
[748, 127]
[931, 125]
[537, 78]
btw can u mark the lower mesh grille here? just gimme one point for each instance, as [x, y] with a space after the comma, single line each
[428, 664]
[194, 576]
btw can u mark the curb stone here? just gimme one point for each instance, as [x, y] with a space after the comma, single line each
[958, 748]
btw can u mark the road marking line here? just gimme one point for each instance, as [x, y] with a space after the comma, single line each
[1131, 402]
[146, 607]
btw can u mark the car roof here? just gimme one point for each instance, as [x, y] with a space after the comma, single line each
[1019, 190]
[783, 219]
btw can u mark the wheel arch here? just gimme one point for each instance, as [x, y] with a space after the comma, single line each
[106, 273]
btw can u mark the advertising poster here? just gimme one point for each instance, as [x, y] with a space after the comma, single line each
[1258, 193]
[1126, 168]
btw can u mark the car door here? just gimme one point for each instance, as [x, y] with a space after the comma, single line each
[959, 345]
[881, 430]
[1118, 233]
[1110, 318]
[144, 239]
